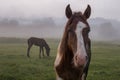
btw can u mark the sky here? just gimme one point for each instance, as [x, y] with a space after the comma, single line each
[109, 9]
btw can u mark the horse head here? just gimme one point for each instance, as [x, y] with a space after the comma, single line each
[77, 29]
[74, 48]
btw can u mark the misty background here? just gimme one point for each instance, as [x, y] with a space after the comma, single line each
[46, 18]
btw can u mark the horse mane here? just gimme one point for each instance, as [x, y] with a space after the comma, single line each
[65, 51]
[67, 56]
[64, 42]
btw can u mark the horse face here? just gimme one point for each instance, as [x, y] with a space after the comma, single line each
[78, 40]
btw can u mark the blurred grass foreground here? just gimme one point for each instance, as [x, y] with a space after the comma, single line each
[14, 64]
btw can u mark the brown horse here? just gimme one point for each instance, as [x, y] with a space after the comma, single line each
[74, 51]
[38, 42]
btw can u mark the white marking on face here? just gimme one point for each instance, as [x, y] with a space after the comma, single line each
[80, 42]
[58, 57]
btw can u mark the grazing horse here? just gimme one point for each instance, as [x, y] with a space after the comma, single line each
[38, 42]
[74, 50]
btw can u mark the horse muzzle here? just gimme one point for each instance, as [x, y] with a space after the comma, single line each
[80, 60]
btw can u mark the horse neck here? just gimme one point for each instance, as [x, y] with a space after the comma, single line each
[46, 46]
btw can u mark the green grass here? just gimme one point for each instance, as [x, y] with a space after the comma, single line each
[14, 64]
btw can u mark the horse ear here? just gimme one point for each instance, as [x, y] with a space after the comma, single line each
[68, 11]
[87, 12]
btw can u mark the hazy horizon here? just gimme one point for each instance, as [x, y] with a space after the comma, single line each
[101, 29]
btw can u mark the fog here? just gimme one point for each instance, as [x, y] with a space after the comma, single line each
[101, 29]
[104, 29]
[26, 28]
[55, 8]
[46, 18]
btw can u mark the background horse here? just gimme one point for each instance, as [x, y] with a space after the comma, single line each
[38, 42]
[74, 51]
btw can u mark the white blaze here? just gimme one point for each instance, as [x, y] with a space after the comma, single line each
[80, 42]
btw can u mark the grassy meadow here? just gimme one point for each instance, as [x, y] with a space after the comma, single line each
[14, 64]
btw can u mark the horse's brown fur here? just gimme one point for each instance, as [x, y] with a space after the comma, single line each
[66, 69]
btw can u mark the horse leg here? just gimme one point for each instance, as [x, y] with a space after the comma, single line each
[28, 50]
[42, 51]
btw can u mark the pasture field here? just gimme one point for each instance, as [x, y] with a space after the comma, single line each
[14, 64]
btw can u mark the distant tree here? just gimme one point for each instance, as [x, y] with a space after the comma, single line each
[13, 22]
[44, 22]
[9, 22]
[107, 31]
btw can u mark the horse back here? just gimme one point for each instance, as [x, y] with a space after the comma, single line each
[36, 41]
